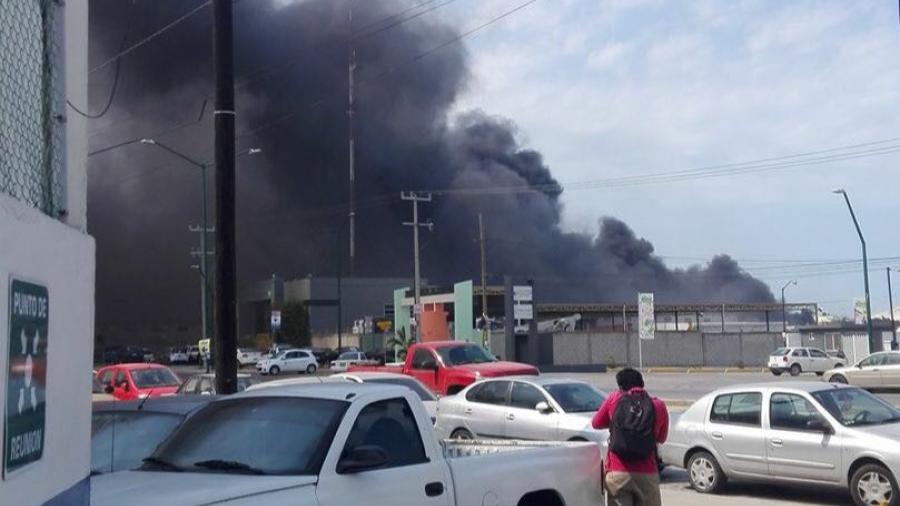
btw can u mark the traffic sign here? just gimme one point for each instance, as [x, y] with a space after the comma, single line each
[523, 293]
[26, 375]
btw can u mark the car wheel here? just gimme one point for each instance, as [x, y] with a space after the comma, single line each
[462, 435]
[311, 369]
[820, 373]
[837, 378]
[704, 473]
[873, 484]
[274, 370]
[795, 370]
[777, 373]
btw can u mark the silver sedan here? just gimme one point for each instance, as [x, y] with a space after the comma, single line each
[809, 433]
[878, 370]
[532, 407]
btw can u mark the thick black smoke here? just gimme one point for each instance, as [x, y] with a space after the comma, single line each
[292, 199]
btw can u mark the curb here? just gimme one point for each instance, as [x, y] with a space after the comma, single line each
[689, 370]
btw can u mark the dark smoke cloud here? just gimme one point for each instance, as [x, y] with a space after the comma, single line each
[292, 198]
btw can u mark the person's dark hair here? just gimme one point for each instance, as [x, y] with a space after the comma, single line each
[629, 378]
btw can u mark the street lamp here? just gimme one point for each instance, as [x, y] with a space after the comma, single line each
[784, 307]
[874, 344]
[204, 227]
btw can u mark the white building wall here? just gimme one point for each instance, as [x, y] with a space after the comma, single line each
[59, 255]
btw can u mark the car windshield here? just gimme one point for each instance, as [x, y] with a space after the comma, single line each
[575, 397]
[411, 384]
[350, 355]
[120, 440]
[855, 407]
[780, 352]
[268, 435]
[465, 354]
[154, 377]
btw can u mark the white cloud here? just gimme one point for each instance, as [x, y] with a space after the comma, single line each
[607, 55]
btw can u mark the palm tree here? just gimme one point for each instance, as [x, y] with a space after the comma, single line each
[401, 343]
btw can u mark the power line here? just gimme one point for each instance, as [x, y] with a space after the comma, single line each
[156, 135]
[363, 34]
[150, 37]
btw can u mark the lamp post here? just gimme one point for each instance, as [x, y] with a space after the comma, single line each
[784, 307]
[875, 345]
[891, 302]
[204, 227]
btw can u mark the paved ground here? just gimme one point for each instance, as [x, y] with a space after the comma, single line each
[681, 388]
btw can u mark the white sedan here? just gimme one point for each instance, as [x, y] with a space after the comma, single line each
[348, 358]
[288, 361]
[532, 407]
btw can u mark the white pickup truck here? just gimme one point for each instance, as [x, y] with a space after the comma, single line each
[338, 444]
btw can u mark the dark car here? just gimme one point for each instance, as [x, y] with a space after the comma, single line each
[323, 355]
[124, 433]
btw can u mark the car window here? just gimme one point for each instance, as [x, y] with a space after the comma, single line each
[189, 386]
[791, 412]
[121, 377]
[800, 352]
[206, 386]
[493, 392]
[154, 377]
[876, 359]
[576, 397]
[120, 440]
[780, 352]
[525, 396]
[391, 426]
[349, 355]
[464, 354]
[741, 408]
[817, 353]
[107, 376]
[421, 357]
[275, 435]
[892, 359]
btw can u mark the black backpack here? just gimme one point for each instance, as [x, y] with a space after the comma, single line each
[631, 434]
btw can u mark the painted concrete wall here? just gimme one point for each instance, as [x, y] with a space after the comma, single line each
[683, 349]
[48, 252]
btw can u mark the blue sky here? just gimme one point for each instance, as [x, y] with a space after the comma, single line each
[610, 88]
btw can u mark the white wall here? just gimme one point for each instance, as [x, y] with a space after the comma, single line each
[59, 255]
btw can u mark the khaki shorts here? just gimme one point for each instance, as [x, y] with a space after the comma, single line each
[633, 489]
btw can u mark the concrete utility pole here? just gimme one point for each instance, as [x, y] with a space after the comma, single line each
[784, 308]
[203, 254]
[485, 331]
[226, 262]
[416, 198]
[351, 74]
[893, 322]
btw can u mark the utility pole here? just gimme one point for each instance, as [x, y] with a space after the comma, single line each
[226, 262]
[351, 71]
[784, 309]
[891, 302]
[485, 330]
[875, 344]
[203, 254]
[416, 198]
[340, 303]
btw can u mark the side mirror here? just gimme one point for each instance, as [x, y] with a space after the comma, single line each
[362, 458]
[819, 425]
[543, 408]
[109, 389]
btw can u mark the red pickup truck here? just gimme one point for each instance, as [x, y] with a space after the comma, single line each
[447, 367]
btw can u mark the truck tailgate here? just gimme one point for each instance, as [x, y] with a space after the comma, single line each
[483, 469]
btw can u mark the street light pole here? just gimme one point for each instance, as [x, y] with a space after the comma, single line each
[891, 302]
[784, 307]
[875, 345]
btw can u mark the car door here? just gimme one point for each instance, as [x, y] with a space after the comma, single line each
[304, 360]
[486, 408]
[801, 357]
[890, 371]
[819, 361]
[123, 390]
[423, 367]
[291, 361]
[867, 373]
[794, 450]
[523, 421]
[734, 428]
[410, 477]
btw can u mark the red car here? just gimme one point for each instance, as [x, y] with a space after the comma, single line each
[138, 381]
[447, 367]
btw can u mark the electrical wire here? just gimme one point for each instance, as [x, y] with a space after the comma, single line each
[362, 34]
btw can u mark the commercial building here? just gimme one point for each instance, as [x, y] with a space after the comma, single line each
[46, 256]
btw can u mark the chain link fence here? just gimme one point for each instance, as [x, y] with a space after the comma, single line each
[32, 103]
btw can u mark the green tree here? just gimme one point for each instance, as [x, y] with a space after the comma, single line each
[401, 342]
[295, 323]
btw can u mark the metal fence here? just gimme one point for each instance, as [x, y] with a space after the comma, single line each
[32, 103]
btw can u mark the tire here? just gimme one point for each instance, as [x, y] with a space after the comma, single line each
[795, 370]
[462, 435]
[820, 373]
[837, 378]
[777, 373]
[311, 369]
[274, 370]
[704, 473]
[874, 484]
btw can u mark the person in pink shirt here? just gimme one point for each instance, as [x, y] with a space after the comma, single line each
[637, 423]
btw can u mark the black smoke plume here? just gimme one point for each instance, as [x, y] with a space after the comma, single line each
[291, 66]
